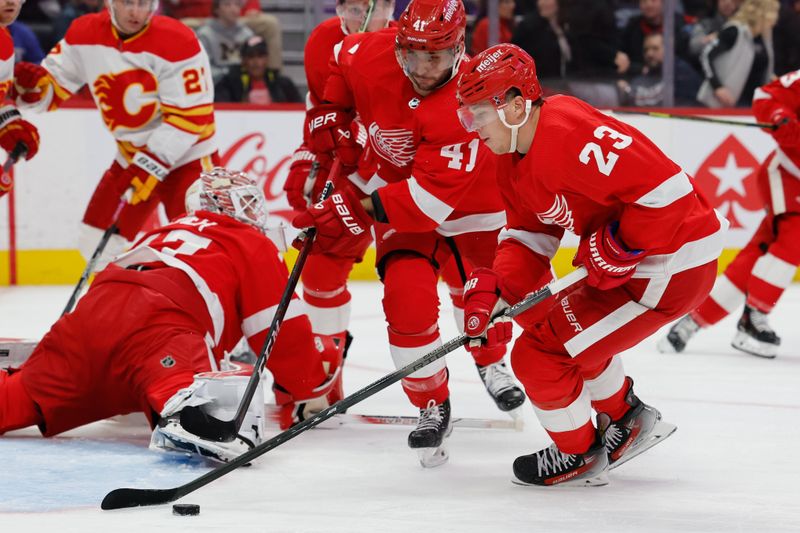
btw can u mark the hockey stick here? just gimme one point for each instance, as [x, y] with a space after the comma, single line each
[193, 418]
[6, 181]
[125, 497]
[518, 424]
[111, 230]
[658, 114]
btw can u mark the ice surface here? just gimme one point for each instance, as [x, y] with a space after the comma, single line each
[730, 467]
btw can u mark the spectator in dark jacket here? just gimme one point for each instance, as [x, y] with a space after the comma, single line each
[72, 10]
[650, 21]
[26, 45]
[787, 39]
[542, 35]
[253, 82]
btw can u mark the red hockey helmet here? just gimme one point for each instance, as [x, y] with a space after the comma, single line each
[486, 80]
[430, 42]
[495, 71]
[430, 25]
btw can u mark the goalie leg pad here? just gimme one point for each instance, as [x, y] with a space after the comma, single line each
[218, 394]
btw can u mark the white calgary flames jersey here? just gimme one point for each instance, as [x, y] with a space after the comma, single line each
[6, 62]
[153, 90]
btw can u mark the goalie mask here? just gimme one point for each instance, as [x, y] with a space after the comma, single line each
[430, 42]
[231, 193]
[364, 15]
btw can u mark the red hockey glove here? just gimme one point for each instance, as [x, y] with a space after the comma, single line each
[332, 131]
[144, 172]
[607, 261]
[15, 130]
[300, 189]
[294, 410]
[787, 132]
[342, 225]
[30, 80]
[481, 302]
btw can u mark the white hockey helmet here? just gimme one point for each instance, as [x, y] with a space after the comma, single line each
[231, 193]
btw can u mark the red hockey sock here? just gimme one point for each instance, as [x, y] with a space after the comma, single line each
[17, 409]
[421, 390]
[575, 441]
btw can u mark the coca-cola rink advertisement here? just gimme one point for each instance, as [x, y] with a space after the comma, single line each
[39, 220]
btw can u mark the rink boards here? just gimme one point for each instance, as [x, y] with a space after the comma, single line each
[39, 221]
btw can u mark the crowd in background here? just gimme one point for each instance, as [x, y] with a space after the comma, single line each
[608, 52]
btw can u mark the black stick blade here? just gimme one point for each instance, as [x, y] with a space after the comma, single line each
[198, 422]
[123, 498]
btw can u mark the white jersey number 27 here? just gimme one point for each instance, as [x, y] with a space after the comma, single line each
[605, 162]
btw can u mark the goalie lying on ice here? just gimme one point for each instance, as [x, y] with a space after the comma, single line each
[168, 310]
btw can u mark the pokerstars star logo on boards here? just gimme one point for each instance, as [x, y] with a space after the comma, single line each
[728, 177]
[559, 214]
[490, 60]
[126, 99]
[396, 146]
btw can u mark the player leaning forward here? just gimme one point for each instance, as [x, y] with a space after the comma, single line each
[648, 239]
[152, 332]
[151, 82]
[433, 197]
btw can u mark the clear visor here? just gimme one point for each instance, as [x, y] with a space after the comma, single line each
[358, 16]
[144, 5]
[427, 69]
[475, 116]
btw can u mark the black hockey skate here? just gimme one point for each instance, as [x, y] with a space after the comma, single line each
[551, 466]
[433, 427]
[755, 336]
[637, 431]
[501, 386]
[679, 334]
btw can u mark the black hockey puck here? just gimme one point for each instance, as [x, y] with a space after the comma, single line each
[185, 509]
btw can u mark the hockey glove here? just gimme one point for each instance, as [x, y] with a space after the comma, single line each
[787, 132]
[300, 188]
[481, 302]
[293, 410]
[30, 82]
[15, 130]
[333, 132]
[144, 173]
[607, 261]
[342, 225]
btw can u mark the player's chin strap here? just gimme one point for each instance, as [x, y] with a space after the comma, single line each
[515, 128]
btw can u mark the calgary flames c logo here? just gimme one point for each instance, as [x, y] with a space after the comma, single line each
[122, 98]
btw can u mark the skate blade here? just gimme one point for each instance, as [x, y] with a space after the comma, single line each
[661, 431]
[599, 480]
[744, 343]
[433, 457]
[664, 346]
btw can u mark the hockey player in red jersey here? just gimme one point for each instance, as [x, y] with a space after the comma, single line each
[13, 129]
[433, 196]
[648, 239]
[151, 81]
[764, 268]
[166, 311]
[325, 276]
